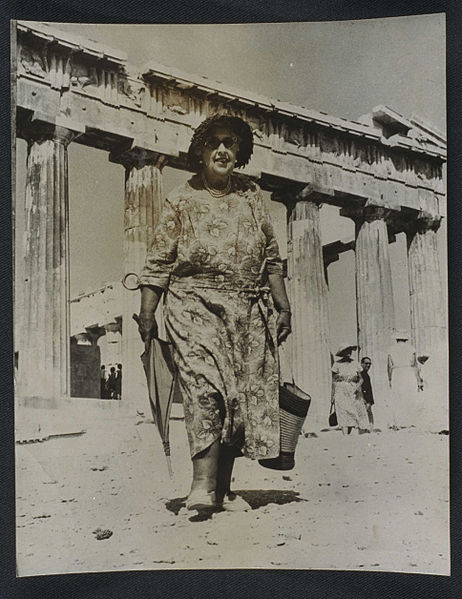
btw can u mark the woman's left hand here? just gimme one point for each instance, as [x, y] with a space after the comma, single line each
[283, 326]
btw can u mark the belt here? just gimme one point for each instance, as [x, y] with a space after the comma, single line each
[256, 294]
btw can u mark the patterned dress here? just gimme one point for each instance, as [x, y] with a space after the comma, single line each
[349, 404]
[211, 256]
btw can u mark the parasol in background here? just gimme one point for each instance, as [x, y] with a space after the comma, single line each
[159, 369]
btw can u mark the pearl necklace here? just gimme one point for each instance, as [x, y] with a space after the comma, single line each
[217, 193]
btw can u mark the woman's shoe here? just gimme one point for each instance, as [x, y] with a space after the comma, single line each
[234, 503]
[200, 500]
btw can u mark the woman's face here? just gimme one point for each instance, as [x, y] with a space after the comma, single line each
[219, 153]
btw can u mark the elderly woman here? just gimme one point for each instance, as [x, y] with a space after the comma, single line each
[212, 251]
[346, 388]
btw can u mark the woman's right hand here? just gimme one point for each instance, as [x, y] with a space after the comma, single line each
[147, 326]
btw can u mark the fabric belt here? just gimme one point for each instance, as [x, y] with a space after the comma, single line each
[257, 294]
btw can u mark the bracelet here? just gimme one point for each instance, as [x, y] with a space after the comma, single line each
[285, 310]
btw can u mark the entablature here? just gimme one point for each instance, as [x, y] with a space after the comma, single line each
[63, 79]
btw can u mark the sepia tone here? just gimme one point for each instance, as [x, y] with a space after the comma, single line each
[384, 172]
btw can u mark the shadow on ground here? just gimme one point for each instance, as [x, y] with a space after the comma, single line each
[260, 498]
[256, 499]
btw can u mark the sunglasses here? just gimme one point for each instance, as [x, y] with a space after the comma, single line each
[367, 363]
[215, 142]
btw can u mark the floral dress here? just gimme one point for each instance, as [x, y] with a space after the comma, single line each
[211, 255]
[349, 404]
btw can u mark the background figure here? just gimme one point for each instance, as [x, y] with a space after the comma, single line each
[346, 388]
[118, 382]
[103, 383]
[111, 384]
[366, 389]
[434, 412]
[405, 381]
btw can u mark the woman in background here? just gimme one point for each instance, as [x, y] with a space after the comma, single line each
[346, 388]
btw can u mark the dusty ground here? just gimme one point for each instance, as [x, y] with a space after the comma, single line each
[369, 502]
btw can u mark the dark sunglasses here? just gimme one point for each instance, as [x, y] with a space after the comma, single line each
[367, 363]
[215, 142]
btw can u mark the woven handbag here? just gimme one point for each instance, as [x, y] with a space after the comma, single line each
[293, 408]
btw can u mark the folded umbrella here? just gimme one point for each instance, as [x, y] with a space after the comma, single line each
[159, 369]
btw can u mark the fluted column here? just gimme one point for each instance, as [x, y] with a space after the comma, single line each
[44, 346]
[308, 295]
[374, 297]
[143, 203]
[428, 326]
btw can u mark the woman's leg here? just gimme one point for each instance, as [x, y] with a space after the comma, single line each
[345, 430]
[205, 465]
[225, 470]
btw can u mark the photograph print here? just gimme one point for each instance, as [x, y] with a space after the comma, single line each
[230, 296]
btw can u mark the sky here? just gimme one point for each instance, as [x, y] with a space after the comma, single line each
[341, 68]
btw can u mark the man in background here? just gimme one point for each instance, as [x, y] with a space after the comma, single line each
[366, 389]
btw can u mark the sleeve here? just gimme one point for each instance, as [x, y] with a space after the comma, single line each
[272, 255]
[162, 254]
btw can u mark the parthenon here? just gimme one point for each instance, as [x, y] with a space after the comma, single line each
[385, 172]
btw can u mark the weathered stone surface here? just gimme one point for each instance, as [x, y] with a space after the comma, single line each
[65, 83]
[374, 297]
[307, 290]
[44, 343]
[157, 111]
[143, 202]
[428, 322]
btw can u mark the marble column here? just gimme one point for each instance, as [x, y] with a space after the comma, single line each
[307, 289]
[143, 203]
[428, 320]
[428, 323]
[375, 305]
[44, 369]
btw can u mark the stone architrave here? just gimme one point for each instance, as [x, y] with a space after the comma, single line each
[44, 369]
[143, 203]
[428, 325]
[310, 355]
[375, 305]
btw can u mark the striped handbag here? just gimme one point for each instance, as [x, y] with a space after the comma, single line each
[293, 408]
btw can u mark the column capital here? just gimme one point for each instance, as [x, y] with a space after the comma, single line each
[368, 213]
[419, 222]
[38, 127]
[426, 221]
[137, 157]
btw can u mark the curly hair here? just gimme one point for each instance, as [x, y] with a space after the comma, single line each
[235, 124]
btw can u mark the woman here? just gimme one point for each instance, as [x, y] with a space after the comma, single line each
[405, 381]
[346, 389]
[213, 249]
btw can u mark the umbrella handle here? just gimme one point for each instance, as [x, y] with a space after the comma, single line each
[136, 284]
